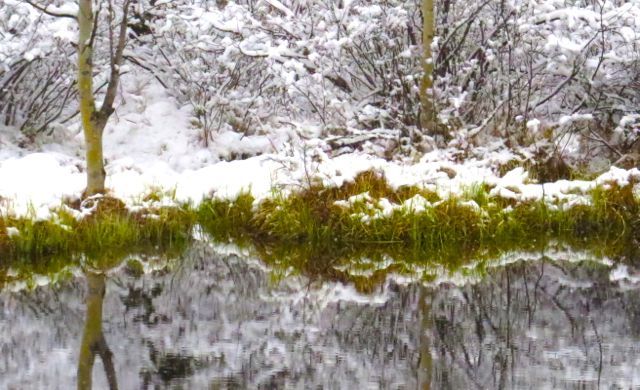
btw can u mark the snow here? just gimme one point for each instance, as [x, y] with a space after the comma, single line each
[150, 145]
[416, 204]
[619, 176]
[621, 274]
[533, 125]
[12, 231]
[363, 197]
[30, 185]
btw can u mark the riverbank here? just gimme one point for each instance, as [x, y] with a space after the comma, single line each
[367, 211]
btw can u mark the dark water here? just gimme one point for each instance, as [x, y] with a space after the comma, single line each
[217, 321]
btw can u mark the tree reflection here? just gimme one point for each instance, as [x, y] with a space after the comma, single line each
[425, 365]
[93, 340]
[535, 323]
[224, 321]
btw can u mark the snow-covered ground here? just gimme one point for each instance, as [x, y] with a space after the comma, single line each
[150, 145]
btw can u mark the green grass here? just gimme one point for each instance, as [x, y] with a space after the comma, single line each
[313, 217]
[311, 224]
[306, 233]
[227, 220]
[110, 229]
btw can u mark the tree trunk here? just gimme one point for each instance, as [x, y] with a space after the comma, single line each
[92, 121]
[95, 160]
[428, 115]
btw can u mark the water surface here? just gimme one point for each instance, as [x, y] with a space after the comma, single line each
[216, 319]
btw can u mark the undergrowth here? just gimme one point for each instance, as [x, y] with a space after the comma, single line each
[332, 223]
[471, 221]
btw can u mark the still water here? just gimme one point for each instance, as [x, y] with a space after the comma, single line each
[220, 319]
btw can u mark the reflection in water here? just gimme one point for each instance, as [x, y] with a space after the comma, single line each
[425, 365]
[93, 340]
[223, 321]
[552, 324]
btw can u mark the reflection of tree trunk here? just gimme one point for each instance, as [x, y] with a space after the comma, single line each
[425, 368]
[93, 341]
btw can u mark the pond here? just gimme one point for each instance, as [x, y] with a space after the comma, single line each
[219, 318]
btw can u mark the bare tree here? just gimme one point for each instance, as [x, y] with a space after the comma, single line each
[94, 120]
[94, 117]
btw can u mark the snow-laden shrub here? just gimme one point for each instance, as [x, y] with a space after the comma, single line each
[510, 67]
[248, 64]
[521, 70]
[37, 84]
[38, 60]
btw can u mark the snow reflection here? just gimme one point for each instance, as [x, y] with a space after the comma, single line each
[219, 320]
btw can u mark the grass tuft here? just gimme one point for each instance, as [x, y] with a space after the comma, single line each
[108, 229]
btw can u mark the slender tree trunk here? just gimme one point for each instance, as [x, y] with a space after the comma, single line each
[94, 120]
[92, 123]
[96, 174]
[428, 119]
[93, 341]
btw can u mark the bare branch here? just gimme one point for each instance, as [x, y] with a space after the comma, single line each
[116, 61]
[94, 31]
[49, 12]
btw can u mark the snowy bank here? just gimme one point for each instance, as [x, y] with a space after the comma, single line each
[35, 183]
[150, 146]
